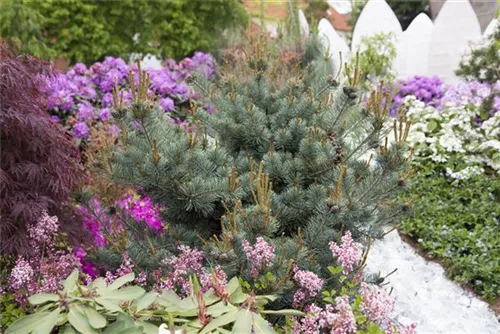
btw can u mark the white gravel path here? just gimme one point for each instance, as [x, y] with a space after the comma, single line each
[424, 294]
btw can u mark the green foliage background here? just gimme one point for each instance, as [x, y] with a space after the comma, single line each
[86, 31]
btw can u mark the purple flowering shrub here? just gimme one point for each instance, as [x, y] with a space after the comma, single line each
[82, 97]
[426, 89]
[486, 96]
[434, 93]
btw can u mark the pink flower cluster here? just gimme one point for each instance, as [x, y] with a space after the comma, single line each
[189, 261]
[44, 230]
[377, 305]
[310, 284]
[45, 267]
[260, 255]
[142, 209]
[349, 253]
[338, 319]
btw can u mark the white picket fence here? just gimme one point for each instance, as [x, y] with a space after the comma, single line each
[425, 48]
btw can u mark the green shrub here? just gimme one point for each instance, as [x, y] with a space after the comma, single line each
[483, 64]
[376, 56]
[458, 222]
[281, 162]
[86, 31]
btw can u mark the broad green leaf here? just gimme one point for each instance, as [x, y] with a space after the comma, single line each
[122, 322]
[243, 323]
[70, 282]
[79, 321]
[148, 328]
[133, 330]
[210, 297]
[220, 308]
[145, 301]
[261, 326]
[109, 304]
[68, 330]
[47, 323]
[26, 324]
[98, 283]
[268, 297]
[43, 298]
[285, 312]
[121, 281]
[128, 293]
[221, 321]
[95, 319]
[238, 296]
[232, 285]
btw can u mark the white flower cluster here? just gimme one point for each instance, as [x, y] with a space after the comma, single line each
[452, 137]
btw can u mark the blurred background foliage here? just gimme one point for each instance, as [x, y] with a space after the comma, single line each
[87, 31]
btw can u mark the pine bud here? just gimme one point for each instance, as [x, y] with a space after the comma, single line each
[332, 82]
[350, 92]
[334, 208]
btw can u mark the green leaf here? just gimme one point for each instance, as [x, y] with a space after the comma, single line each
[95, 319]
[238, 297]
[43, 298]
[285, 312]
[145, 301]
[47, 324]
[68, 330]
[78, 320]
[98, 283]
[261, 325]
[128, 293]
[232, 285]
[432, 125]
[121, 281]
[220, 308]
[148, 328]
[122, 323]
[70, 282]
[109, 305]
[219, 322]
[26, 324]
[243, 323]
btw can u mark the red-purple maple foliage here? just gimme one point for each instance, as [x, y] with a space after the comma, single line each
[39, 163]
